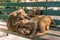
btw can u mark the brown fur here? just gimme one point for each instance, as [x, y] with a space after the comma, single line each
[26, 24]
[23, 31]
[12, 19]
[33, 12]
[40, 23]
[43, 25]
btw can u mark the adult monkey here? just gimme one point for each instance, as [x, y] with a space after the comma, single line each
[43, 25]
[12, 19]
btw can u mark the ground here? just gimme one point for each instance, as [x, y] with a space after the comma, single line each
[51, 34]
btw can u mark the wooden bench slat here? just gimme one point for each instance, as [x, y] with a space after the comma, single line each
[8, 10]
[51, 12]
[57, 22]
[44, 12]
[33, 4]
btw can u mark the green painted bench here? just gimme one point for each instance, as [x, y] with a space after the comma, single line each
[34, 4]
[53, 13]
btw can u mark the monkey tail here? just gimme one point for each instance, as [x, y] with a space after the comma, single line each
[54, 23]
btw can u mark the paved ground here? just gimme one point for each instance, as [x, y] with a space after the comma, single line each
[51, 34]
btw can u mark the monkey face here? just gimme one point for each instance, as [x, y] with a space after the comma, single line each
[20, 17]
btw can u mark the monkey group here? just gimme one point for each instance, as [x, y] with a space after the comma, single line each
[29, 24]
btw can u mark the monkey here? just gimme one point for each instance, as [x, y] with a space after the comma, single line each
[13, 18]
[40, 25]
[44, 23]
[33, 12]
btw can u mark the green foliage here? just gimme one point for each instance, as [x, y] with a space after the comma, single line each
[1, 7]
[18, 0]
[10, 0]
[13, 0]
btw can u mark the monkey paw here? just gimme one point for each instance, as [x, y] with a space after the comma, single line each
[39, 34]
[31, 36]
